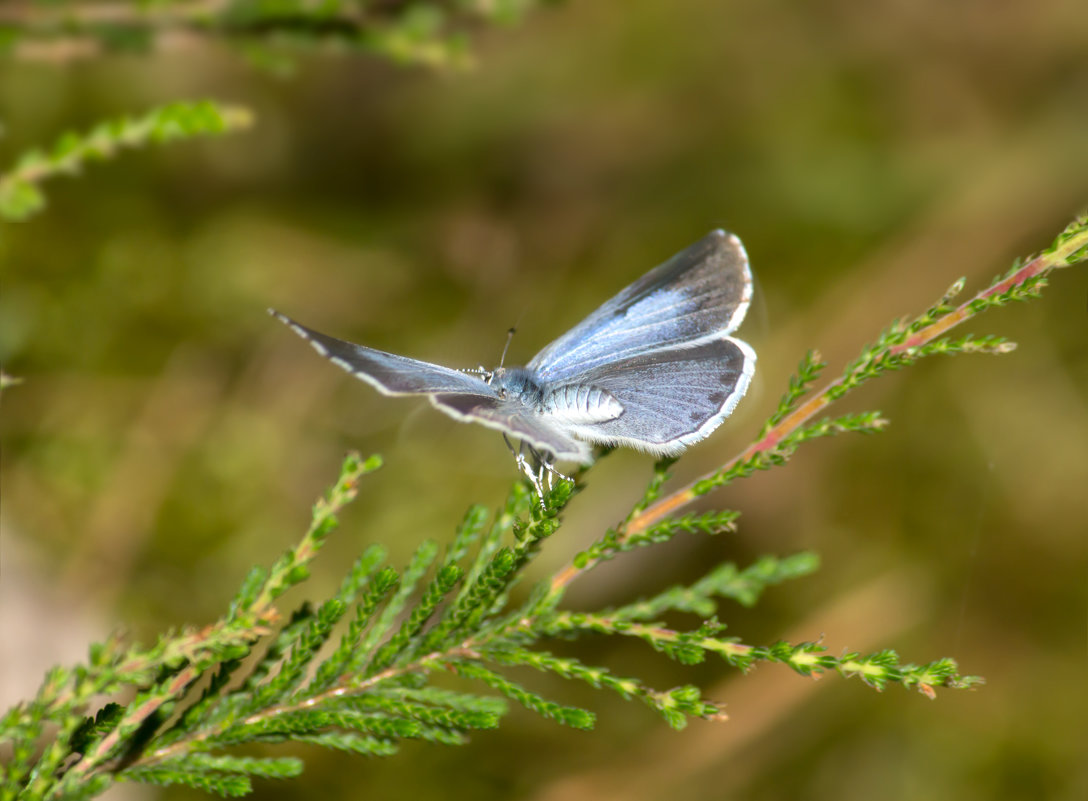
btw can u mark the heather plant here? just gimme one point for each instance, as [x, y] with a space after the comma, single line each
[366, 669]
[435, 649]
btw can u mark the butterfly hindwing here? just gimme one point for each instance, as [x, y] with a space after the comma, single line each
[670, 397]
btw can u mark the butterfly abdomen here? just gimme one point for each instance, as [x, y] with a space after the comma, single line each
[581, 404]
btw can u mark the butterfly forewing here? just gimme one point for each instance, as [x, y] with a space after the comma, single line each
[387, 372]
[700, 293]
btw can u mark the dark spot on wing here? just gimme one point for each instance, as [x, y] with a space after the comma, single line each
[697, 417]
[716, 397]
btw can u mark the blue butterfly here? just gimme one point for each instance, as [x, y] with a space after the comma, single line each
[655, 368]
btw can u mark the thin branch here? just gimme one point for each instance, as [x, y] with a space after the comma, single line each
[340, 690]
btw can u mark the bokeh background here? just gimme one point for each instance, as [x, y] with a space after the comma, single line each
[169, 434]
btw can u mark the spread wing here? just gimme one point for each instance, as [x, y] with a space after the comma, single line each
[388, 373]
[654, 367]
[670, 397]
[515, 418]
[701, 293]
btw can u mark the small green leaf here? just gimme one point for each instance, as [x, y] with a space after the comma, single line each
[19, 199]
[20, 195]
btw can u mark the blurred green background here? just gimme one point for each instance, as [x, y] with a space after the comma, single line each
[169, 434]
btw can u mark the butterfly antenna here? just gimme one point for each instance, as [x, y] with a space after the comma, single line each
[506, 347]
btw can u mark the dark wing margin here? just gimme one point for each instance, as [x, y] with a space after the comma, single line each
[514, 419]
[671, 398]
[701, 293]
[388, 373]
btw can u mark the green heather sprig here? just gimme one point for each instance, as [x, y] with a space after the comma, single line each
[357, 671]
[426, 32]
[21, 195]
[165, 673]
[808, 372]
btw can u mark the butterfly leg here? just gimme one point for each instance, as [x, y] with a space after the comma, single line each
[536, 467]
[534, 476]
[546, 472]
[530, 470]
[553, 474]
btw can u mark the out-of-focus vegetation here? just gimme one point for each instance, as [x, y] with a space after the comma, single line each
[21, 195]
[166, 430]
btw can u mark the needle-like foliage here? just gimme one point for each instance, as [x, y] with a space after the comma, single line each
[359, 671]
[270, 34]
[21, 195]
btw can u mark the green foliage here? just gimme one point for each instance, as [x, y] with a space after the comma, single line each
[808, 372]
[745, 586]
[221, 775]
[21, 195]
[358, 671]
[1071, 245]
[270, 33]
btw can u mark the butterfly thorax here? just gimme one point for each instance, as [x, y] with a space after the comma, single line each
[517, 384]
[572, 403]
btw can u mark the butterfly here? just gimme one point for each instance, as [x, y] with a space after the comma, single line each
[655, 368]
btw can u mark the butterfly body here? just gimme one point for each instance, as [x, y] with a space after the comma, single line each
[580, 404]
[654, 368]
